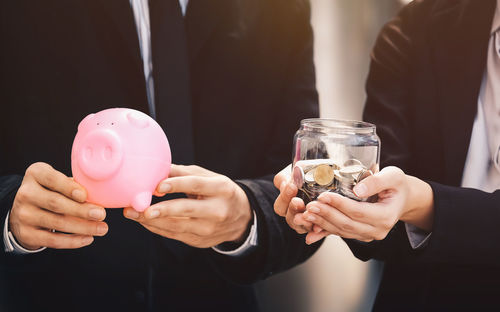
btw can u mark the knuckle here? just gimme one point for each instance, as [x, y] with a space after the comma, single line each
[222, 215]
[196, 187]
[24, 193]
[358, 214]
[21, 213]
[50, 181]
[54, 203]
[208, 230]
[35, 168]
[346, 226]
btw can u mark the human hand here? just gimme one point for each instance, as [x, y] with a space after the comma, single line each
[287, 205]
[216, 210]
[48, 200]
[400, 197]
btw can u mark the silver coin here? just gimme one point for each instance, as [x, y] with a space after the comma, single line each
[352, 162]
[351, 171]
[363, 175]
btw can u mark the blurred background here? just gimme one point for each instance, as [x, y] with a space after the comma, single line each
[333, 279]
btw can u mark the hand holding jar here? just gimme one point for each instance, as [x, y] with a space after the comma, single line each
[335, 187]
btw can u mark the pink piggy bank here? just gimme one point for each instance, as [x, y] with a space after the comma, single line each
[120, 155]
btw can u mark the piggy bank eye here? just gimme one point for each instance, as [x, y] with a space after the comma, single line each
[138, 120]
[85, 121]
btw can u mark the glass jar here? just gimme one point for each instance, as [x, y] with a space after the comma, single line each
[333, 156]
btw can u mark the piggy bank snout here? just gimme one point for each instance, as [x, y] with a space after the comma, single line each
[100, 154]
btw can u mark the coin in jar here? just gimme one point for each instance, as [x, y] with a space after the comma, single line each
[323, 174]
[351, 171]
[298, 176]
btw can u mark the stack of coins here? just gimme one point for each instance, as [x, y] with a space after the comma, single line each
[315, 179]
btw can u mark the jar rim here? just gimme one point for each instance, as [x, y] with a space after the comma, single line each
[337, 125]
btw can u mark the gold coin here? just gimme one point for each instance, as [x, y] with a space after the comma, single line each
[323, 174]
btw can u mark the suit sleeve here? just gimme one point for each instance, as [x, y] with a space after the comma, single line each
[389, 106]
[466, 221]
[278, 246]
[9, 184]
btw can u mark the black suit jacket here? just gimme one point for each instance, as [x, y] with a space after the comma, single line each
[423, 87]
[250, 80]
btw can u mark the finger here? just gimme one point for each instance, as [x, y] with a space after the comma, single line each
[358, 211]
[336, 222]
[313, 237]
[60, 204]
[388, 178]
[291, 222]
[282, 176]
[56, 181]
[197, 227]
[67, 224]
[299, 220]
[289, 190]
[184, 207]
[180, 171]
[59, 240]
[297, 204]
[317, 228]
[196, 185]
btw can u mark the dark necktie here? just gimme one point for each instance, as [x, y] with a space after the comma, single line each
[171, 77]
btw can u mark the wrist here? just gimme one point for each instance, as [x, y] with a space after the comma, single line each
[419, 205]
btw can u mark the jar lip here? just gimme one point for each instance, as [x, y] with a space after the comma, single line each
[337, 125]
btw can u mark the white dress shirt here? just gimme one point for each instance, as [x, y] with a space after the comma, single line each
[142, 22]
[482, 168]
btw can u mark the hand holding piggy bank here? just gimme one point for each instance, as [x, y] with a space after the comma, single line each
[120, 155]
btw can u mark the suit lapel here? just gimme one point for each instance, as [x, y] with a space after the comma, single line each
[461, 35]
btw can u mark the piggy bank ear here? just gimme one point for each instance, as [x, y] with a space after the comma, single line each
[138, 120]
[85, 121]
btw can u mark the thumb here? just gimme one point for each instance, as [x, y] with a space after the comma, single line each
[282, 176]
[388, 178]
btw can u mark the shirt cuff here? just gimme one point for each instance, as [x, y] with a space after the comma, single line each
[250, 242]
[10, 243]
[418, 238]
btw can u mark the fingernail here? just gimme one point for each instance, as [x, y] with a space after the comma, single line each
[324, 198]
[78, 195]
[87, 240]
[310, 217]
[96, 213]
[314, 209]
[102, 229]
[164, 188]
[132, 214]
[360, 190]
[317, 229]
[154, 213]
